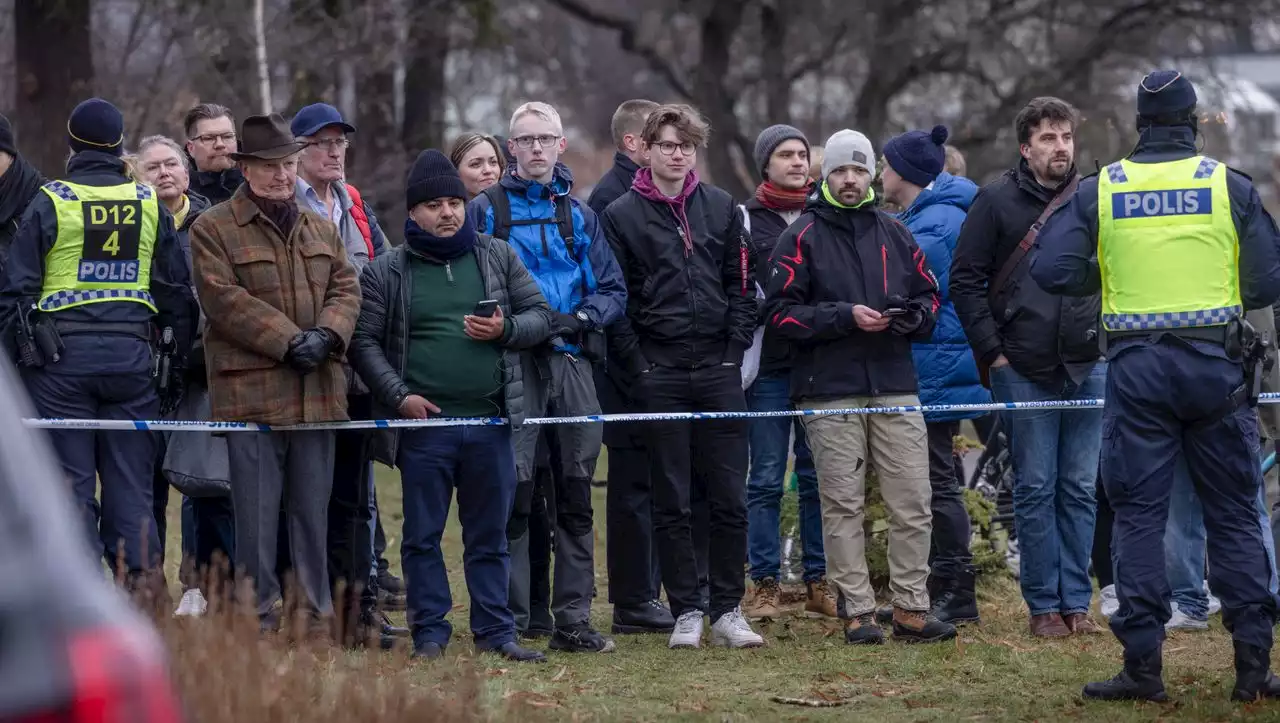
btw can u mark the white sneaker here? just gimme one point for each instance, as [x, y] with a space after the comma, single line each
[1215, 605]
[192, 605]
[1180, 621]
[1108, 603]
[688, 631]
[733, 631]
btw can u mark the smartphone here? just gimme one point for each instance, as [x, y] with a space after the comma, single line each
[893, 312]
[485, 308]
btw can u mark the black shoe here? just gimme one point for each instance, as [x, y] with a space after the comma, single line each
[955, 601]
[651, 617]
[429, 651]
[1140, 680]
[884, 615]
[517, 654]
[389, 628]
[863, 630]
[1254, 678]
[390, 583]
[918, 627]
[580, 638]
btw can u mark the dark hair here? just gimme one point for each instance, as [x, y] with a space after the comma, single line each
[204, 111]
[1039, 110]
[630, 118]
[463, 144]
[688, 122]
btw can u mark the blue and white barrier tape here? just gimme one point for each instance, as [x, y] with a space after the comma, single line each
[163, 425]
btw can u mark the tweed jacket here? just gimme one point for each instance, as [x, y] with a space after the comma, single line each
[258, 291]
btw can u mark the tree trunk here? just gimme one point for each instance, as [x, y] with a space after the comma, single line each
[54, 58]
[717, 100]
[773, 59]
[424, 83]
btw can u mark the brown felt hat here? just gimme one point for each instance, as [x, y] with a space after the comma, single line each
[266, 138]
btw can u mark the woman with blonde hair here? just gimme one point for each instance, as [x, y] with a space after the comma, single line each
[479, 160]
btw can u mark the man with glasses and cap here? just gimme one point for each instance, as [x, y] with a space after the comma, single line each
[95, 271]
[1181, 246]
[281, 299]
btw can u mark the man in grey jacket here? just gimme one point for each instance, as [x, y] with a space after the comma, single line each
[420, 362]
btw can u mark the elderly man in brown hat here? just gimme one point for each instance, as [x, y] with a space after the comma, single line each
[281, 300]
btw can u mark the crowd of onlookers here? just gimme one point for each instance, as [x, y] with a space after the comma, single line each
[850, 278]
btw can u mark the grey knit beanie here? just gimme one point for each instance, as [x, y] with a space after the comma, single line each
[848, 148]
[769, 140]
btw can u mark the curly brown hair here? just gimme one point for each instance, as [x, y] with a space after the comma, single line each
[690, 126]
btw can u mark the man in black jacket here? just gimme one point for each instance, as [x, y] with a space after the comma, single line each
[19, 183]
[211, 139]
[634, 580]
[691, 310]
[852, 291]
[1038, 347]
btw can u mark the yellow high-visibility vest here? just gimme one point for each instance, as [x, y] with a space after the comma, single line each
[106, 238]
[1168, 251]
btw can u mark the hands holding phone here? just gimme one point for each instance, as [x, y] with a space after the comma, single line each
[485, 323]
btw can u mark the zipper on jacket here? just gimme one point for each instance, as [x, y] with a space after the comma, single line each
[884, 266]
[448, 271]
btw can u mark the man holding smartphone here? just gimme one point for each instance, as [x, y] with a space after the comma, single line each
[419, 361]
[851, 289]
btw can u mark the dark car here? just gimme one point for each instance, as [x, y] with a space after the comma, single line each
[72, 649]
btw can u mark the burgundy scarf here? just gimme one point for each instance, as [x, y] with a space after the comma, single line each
[780, 199]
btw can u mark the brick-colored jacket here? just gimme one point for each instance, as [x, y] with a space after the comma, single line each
[258, 291]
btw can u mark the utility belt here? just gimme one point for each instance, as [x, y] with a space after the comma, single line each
[40, 334]
[1220, 335]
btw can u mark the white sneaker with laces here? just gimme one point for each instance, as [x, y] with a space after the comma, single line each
[1108, 603]
[733, 631]
[1181, 621]
[688, 631]
[192, 605]
[1215, 605]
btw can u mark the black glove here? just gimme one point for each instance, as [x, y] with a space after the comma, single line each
[309, 349]
[566, 325]
[908, 323]
[175, 390]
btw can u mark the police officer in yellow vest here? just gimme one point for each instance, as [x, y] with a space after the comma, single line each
[1181, 246]
[95, 271]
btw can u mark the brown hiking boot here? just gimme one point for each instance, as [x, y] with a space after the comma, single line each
[821, 600]
[863, 630]
[763, 604]
[1081, 624]
[1049, 625]
[911, 626]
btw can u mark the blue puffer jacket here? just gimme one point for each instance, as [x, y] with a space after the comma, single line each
[592, 281]
[944, 364]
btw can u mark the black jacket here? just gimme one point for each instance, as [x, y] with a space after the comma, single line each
[1046, 338]
[766, 228]
[613, 184]
[828, 261]
[216, 186]
[684, 312]
[18, 186]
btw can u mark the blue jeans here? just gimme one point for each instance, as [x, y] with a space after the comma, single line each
[1055, 463]
[769, 438]
[480, 463]
[1184, 544]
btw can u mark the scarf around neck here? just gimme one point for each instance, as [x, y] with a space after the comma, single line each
[776, 198]
[284, 214]
[17, 186]
[440, 248]
[644, 185]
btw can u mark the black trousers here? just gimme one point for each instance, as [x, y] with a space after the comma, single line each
[684, 454]
[949, 546]
[1102, 531]
[350, 546]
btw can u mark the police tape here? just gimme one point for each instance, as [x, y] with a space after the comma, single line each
[165, 425]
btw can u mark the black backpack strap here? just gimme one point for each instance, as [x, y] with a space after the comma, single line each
[501, 211]
[564, 219]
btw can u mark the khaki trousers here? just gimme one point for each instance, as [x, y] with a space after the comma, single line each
[896, 445]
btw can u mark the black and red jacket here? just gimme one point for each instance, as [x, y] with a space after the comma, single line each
[826, 262]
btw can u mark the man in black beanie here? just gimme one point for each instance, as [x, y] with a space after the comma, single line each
[97, 262]
[424, 363]
[19, 182]
[1180, 246]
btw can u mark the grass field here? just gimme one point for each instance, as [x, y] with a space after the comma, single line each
[993, 672]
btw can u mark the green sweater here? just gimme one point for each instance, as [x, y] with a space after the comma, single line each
[460, 375]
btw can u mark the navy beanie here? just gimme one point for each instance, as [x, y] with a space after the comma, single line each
[6, 137]
[96, 125]
[433, 176]
[917, 156]
[1165, 92]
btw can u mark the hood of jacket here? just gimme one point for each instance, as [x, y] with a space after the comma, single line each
[199, 204]
[561, 183]
[946, 190]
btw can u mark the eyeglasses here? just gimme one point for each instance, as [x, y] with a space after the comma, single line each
[210, 138]
[333, 144]
[527, 142]
[669, 149]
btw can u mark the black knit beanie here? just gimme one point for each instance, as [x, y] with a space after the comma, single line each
[433, 176]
